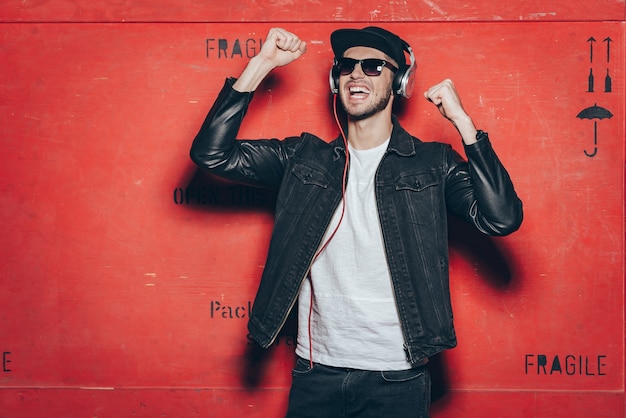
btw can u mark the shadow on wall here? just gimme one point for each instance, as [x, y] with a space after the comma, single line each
[482, 251]
[207, 192]
[256, 358]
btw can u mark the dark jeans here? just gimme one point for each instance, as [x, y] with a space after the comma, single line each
[335, 392]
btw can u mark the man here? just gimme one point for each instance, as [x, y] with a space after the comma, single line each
[367, 263]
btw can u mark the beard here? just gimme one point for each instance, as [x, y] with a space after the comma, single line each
[370, 110]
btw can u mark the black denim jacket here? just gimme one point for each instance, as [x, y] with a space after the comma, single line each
[417, 184]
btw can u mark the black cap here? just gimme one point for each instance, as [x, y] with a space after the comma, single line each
[371, 36]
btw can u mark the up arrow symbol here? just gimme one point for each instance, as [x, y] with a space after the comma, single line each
[608, 49]
[591, 41]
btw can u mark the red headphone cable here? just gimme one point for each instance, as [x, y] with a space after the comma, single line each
[343, 211]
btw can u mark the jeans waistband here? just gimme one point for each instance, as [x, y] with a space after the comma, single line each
[421, 363]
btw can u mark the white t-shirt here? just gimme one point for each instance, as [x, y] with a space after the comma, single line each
[354, 320]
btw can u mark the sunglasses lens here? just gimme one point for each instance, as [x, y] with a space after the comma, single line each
[346, 65]
[372, 67]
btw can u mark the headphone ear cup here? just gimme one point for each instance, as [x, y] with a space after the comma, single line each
[333, 78]
[398, 81]
[403, 81]
[405, 76]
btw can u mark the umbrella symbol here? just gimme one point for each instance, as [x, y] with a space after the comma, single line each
[594, 112]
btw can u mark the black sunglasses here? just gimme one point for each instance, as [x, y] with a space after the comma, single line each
[370, 66]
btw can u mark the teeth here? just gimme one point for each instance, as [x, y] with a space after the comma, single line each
[358, 90]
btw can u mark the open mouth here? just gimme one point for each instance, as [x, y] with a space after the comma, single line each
[359, 92]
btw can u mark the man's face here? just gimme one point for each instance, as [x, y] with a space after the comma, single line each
[361, 95]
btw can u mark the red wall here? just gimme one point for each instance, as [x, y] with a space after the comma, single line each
[126, 275]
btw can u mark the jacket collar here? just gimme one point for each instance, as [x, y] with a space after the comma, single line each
[401, 141]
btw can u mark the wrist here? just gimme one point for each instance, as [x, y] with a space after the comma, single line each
[466, 128]
[255, 72]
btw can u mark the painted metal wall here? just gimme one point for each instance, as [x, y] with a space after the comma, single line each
[127, 276]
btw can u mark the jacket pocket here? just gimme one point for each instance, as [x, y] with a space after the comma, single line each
[310, 176]
[418, 194]
[301, 188]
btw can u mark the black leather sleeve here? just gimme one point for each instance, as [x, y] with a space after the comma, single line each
[216, 148]
[481, 190]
